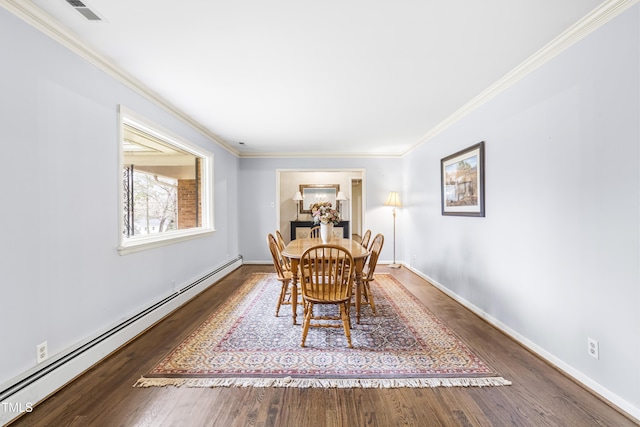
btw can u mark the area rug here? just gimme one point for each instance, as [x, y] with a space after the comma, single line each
[243, 344]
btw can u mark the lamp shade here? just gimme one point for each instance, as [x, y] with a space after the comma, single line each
[393, 199]
[297, 197]
[340, 196]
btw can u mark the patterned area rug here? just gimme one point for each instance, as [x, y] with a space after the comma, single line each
[243, 344]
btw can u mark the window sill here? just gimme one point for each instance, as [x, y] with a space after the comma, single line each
[142, 243]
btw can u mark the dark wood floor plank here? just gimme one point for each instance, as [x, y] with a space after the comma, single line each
[540, 395]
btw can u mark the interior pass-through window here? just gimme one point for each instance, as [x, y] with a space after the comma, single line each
[166, 186]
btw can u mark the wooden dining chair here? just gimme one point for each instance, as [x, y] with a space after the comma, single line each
[326, 279]
[366, 238]
[369, 270]
[315, 232]
[286, 262]
[280, 240]
[288, 291]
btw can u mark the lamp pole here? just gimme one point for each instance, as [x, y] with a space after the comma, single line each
[394, 265]
[394, 200]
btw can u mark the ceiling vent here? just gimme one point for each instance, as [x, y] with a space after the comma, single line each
[84, 10]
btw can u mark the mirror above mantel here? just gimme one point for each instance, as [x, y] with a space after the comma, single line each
[316, 193]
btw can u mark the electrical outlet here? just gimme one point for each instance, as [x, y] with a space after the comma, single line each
[593, 348]
[41, 352]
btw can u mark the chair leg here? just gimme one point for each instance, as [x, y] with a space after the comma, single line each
[294, 301]
[308, 313]
[369, 296]
[283, 293]
[344, 313]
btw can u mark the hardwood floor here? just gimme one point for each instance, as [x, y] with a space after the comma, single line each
[539, 396]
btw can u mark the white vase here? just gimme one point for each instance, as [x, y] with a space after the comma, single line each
[326, 232]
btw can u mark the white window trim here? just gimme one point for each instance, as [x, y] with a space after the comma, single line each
[139, 243]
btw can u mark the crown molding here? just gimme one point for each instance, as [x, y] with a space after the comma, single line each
[42, 21]
[594, 20]
[319, 155]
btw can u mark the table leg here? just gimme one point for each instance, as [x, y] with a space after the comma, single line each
[294, 288]
[358, 279]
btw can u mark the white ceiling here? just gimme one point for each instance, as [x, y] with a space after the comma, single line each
[294, 77]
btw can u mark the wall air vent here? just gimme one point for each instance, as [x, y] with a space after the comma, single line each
[84, 10]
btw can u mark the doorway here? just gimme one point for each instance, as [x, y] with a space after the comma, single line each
[356, 209]
[351, 183]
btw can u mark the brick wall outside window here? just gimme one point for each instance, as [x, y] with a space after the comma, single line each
[189, 215]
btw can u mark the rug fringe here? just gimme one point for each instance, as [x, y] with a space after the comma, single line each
[322, 382]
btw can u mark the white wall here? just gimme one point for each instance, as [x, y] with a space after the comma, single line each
[556, 259]
[61, 277]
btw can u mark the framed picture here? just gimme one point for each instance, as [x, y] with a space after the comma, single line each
[462, 176]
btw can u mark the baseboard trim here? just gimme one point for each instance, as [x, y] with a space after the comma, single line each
[603, 393]
[25, 392]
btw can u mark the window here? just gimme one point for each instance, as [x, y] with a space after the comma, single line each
[165, 186]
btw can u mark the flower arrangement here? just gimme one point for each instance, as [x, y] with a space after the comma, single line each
[323, 213]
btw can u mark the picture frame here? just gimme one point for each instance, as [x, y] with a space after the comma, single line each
[462, 182]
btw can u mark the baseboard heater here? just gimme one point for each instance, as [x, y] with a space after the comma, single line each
[68, 357]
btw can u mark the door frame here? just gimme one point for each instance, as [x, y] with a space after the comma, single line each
[279, 197]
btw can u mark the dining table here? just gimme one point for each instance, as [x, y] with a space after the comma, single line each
[297, 247]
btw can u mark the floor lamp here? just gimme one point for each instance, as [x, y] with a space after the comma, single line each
[394, 201]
